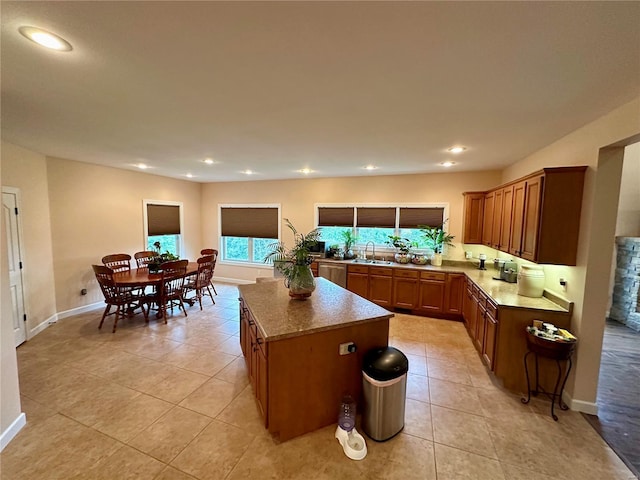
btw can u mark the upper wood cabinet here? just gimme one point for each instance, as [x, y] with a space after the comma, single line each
[473, 217]
[536, 217]
[487, 223]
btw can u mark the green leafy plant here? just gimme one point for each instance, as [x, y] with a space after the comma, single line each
[286, 259]
[162, 257]
[436, 238]
[403, 245]
[349, 239]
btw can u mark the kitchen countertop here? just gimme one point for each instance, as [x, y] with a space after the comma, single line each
[329, 307]
[502, 293]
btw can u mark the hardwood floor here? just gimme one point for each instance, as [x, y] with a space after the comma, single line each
[618, 420]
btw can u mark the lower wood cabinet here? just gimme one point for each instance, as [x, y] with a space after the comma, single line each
[454, 293]
[432, 292]
[490, 334]
[381, 286]
[358, 280]
[405, 289]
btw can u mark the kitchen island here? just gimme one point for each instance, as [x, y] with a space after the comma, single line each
[292, 350]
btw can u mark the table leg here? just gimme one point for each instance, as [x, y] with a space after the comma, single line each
[526, 370]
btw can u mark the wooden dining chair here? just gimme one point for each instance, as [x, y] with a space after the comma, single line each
[170, 290]
[123, 298]
[143, 258]
[214, 252]
[118, 262]
[201, 282]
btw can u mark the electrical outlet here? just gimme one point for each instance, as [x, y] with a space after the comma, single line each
[347, 348]
[563, 284]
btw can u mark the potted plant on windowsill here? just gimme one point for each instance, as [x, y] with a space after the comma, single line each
[436, 238]
[403, 248]
[349, 241]
[295, 263]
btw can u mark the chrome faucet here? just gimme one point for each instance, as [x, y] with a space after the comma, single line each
[366, 247]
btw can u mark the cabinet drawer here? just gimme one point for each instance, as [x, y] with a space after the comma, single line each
[405, 273]
[433, 276]
[384, 271]
[492, 309]
[482, 299]
[358, 269]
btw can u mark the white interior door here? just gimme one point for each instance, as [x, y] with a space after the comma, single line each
[10, 212]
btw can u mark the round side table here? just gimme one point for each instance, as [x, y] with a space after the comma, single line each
[561, 352]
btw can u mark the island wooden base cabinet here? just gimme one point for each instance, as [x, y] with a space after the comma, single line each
[299, 381]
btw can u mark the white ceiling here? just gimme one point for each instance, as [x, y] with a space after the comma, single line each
[332, 86]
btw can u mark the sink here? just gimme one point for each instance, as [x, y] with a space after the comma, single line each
[372, 262]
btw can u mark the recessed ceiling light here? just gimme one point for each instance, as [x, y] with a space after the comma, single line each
[370, 167]
[189, 175]
[248, 172]
[45, 39]
[456, 149]
[306, 171]
[209, 161]
[448, 164]
[142, 166]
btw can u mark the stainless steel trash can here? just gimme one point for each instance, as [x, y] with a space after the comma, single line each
[384, 387]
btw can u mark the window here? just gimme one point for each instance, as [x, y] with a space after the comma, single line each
[163, 224]
[376, 223]
[247, 231]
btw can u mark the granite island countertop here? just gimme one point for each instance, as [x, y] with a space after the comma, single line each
[278, 316]
[502, 293]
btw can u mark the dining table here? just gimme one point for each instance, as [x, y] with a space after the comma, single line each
[142, 277]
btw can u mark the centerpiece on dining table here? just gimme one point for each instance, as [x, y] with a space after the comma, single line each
[295, 263]
[155, 265]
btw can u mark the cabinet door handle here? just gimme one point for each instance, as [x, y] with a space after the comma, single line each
[259, 341]
[251, 322]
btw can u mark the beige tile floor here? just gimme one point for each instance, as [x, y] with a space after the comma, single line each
[172, 402]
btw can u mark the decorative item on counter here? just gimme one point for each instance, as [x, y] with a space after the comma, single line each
[548, 331]
[531, 281]
[420, 258]
[403, 247]
[482, 257]
[333, 251]
[155, 264]
[436, 238]
[295, 264]
[349, 241]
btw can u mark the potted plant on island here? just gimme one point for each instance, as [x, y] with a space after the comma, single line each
[349, 241]
[436, 238]
[295, 263]
[403, 247]
[160, 258]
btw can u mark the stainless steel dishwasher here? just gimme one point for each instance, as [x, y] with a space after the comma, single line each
[333, 272]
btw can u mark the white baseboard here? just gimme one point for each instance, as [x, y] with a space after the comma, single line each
[79, 310]
[41, 326]
[232, 280]
[13, 430]
[589, 408]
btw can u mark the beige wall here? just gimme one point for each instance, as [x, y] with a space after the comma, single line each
[628, 222]
[98, 210]
[27, 171]
[9, 389]
[588, 281]
[297, 199]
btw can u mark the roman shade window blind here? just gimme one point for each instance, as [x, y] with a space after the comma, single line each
[252, 222]
[384, 217]
[335, 216]
[415, 217]
[163, 219]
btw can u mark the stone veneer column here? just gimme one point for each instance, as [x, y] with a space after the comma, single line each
[625, 307]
